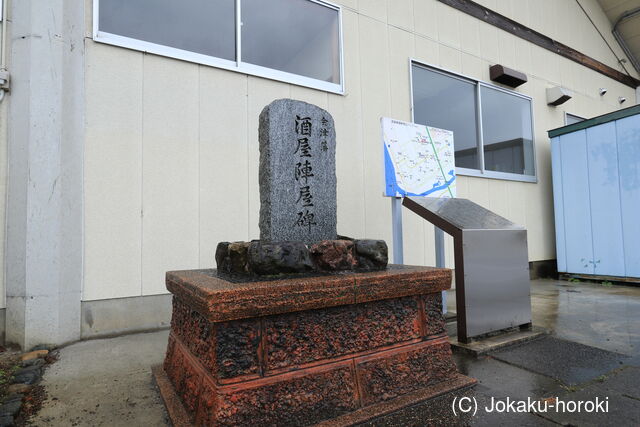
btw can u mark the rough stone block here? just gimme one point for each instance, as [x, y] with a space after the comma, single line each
[278, 258]
[189, 386]
[389, 284]
[305, 350]
[239, 257]
[195, 332]
[207, 404]
[225, 349]
[400, 371]
[297, 173]
[372, 254]
[334, 255]
[301, 399]
[221, 299]
[169, 358]
[237, 348]
[223, 262]
[303, 337]
[184, 376]
[434, 319]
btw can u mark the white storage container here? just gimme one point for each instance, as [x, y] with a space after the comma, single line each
[596, 191]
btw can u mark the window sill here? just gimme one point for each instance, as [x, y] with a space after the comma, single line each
[497, 175]
[244, 68]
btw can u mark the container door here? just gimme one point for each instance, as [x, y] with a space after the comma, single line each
[604, 194]
[628, 133]
[577, 209]
[558, 204]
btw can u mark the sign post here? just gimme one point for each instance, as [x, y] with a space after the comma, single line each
[418, 161]
[396, 221]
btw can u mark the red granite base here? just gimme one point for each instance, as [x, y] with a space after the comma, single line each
[458, 383]
[346, 344]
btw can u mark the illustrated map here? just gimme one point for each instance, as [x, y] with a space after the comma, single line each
[419, 160]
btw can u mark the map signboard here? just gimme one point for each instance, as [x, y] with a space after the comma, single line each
[419, 160]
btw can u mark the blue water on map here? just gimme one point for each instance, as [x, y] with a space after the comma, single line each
[392, 189]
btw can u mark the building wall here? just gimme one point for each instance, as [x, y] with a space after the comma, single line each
[3, 187]
[171, 152]
[3, 192]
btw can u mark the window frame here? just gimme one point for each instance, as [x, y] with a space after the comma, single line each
[566, 117]
[237, 65]
[481, 172]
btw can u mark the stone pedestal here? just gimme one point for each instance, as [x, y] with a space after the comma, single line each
[339, 349]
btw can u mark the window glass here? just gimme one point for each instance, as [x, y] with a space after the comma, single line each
[507, 134]
[448, 103]
[202, 26]
[571, 119]
[281, 39]
[504, 131]
[295, 36]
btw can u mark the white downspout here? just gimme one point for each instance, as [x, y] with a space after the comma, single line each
[4, 75]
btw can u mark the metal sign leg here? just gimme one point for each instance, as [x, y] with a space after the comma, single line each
[396, 220]
[440, 261]
[398, 255]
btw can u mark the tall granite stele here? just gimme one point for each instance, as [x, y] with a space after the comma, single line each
[302, 327]
[297, 173]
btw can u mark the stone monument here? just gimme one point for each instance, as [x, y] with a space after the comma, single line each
[304, 327]
[298, 201]
[297, 173]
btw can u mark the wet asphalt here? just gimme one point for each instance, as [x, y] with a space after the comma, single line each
[591, 355]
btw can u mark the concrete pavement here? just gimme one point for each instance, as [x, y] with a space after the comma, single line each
[105, 382]
[108, 381]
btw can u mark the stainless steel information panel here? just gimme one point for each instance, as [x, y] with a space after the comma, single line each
[492, 265]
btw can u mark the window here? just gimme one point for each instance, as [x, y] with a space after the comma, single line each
[570, 119]
[295, 41]
[507, 135]
[492, 127]
[290, 36]
[433, 90]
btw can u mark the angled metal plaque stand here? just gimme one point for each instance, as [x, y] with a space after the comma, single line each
[492, 266]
